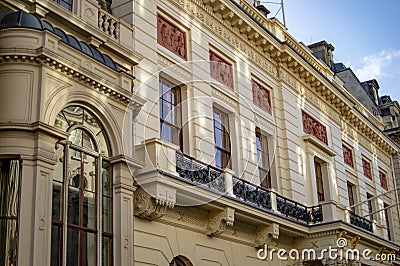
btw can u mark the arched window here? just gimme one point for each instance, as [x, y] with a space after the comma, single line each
[82, 192]
[180, 261]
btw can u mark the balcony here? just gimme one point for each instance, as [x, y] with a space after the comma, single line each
[217, 180]
[361, 222]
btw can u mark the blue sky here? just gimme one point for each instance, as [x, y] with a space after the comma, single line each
[365, 34]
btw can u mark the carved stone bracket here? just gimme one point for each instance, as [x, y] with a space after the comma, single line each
[149, 207]
[217, 221]
[266, 235]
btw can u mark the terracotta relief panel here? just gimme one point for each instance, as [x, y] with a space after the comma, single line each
[348, 156]
[171, 37]
[383, 179]
[314, 127]
[367, 168]
[221, 70]
[261, 96]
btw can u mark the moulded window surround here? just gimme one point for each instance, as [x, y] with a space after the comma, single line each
[10, 179]
[170, 113]
[82, 192]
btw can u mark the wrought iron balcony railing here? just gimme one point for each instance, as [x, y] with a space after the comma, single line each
[200, 173]
[252, 194]
[300, 212]
[361, 222]
[214, 179]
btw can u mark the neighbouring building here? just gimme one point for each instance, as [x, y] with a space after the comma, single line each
[185, 132]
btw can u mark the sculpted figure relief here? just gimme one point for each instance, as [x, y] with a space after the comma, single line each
[261, 96]
[313, 127]
[221, 70]
[171, 37]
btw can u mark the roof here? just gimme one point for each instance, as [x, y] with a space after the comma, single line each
[22, 19]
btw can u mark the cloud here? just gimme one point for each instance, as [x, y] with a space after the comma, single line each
[375, 66]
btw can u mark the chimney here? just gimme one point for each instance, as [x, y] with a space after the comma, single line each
[323, 51]
[261, 8]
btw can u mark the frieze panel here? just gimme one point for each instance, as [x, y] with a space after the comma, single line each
[221, 28]
[284, 76]
[261, 96]
[314, 127]
[348, 156]
[221, 70]
[367, 168]
[224, 98]
[171, 37]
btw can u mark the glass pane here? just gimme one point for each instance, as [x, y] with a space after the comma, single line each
[90, 173]
[72, 247]
[103, 144]
[58, 169]
[166, 133]
[88, 249]
[87, 141]
[73, 205]
[56, 245]
[57, 201]
[218, 137]
[9, 184]
[106, 179]
[218, 160]
[76, 137]
[9, 242]
[89, 210]
[107, 215]
[107, 251]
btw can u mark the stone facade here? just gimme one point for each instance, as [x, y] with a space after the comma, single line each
[101, 183]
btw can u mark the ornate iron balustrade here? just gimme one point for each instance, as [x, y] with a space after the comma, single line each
[361, 222]
[199, 172]
[251, 193]
[297, 211]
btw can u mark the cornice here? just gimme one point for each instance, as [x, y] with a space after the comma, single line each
[287, 53]
[56, 62]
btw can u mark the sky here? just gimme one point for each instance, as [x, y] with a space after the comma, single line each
[365, 34]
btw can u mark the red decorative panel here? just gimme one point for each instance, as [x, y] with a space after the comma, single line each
[171, 37]
[261, 96]
[367, 168]
[313, 127]
[221, 70]
[383, 179]
[348, 156]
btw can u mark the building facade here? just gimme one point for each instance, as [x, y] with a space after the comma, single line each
[182, 132]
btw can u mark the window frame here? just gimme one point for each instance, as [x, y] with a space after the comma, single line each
[69, 154]
[68, 5]
[319, 180]
[177, 103]
[225, 130]
[16, 217]
[263, 152]
[351, 196]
